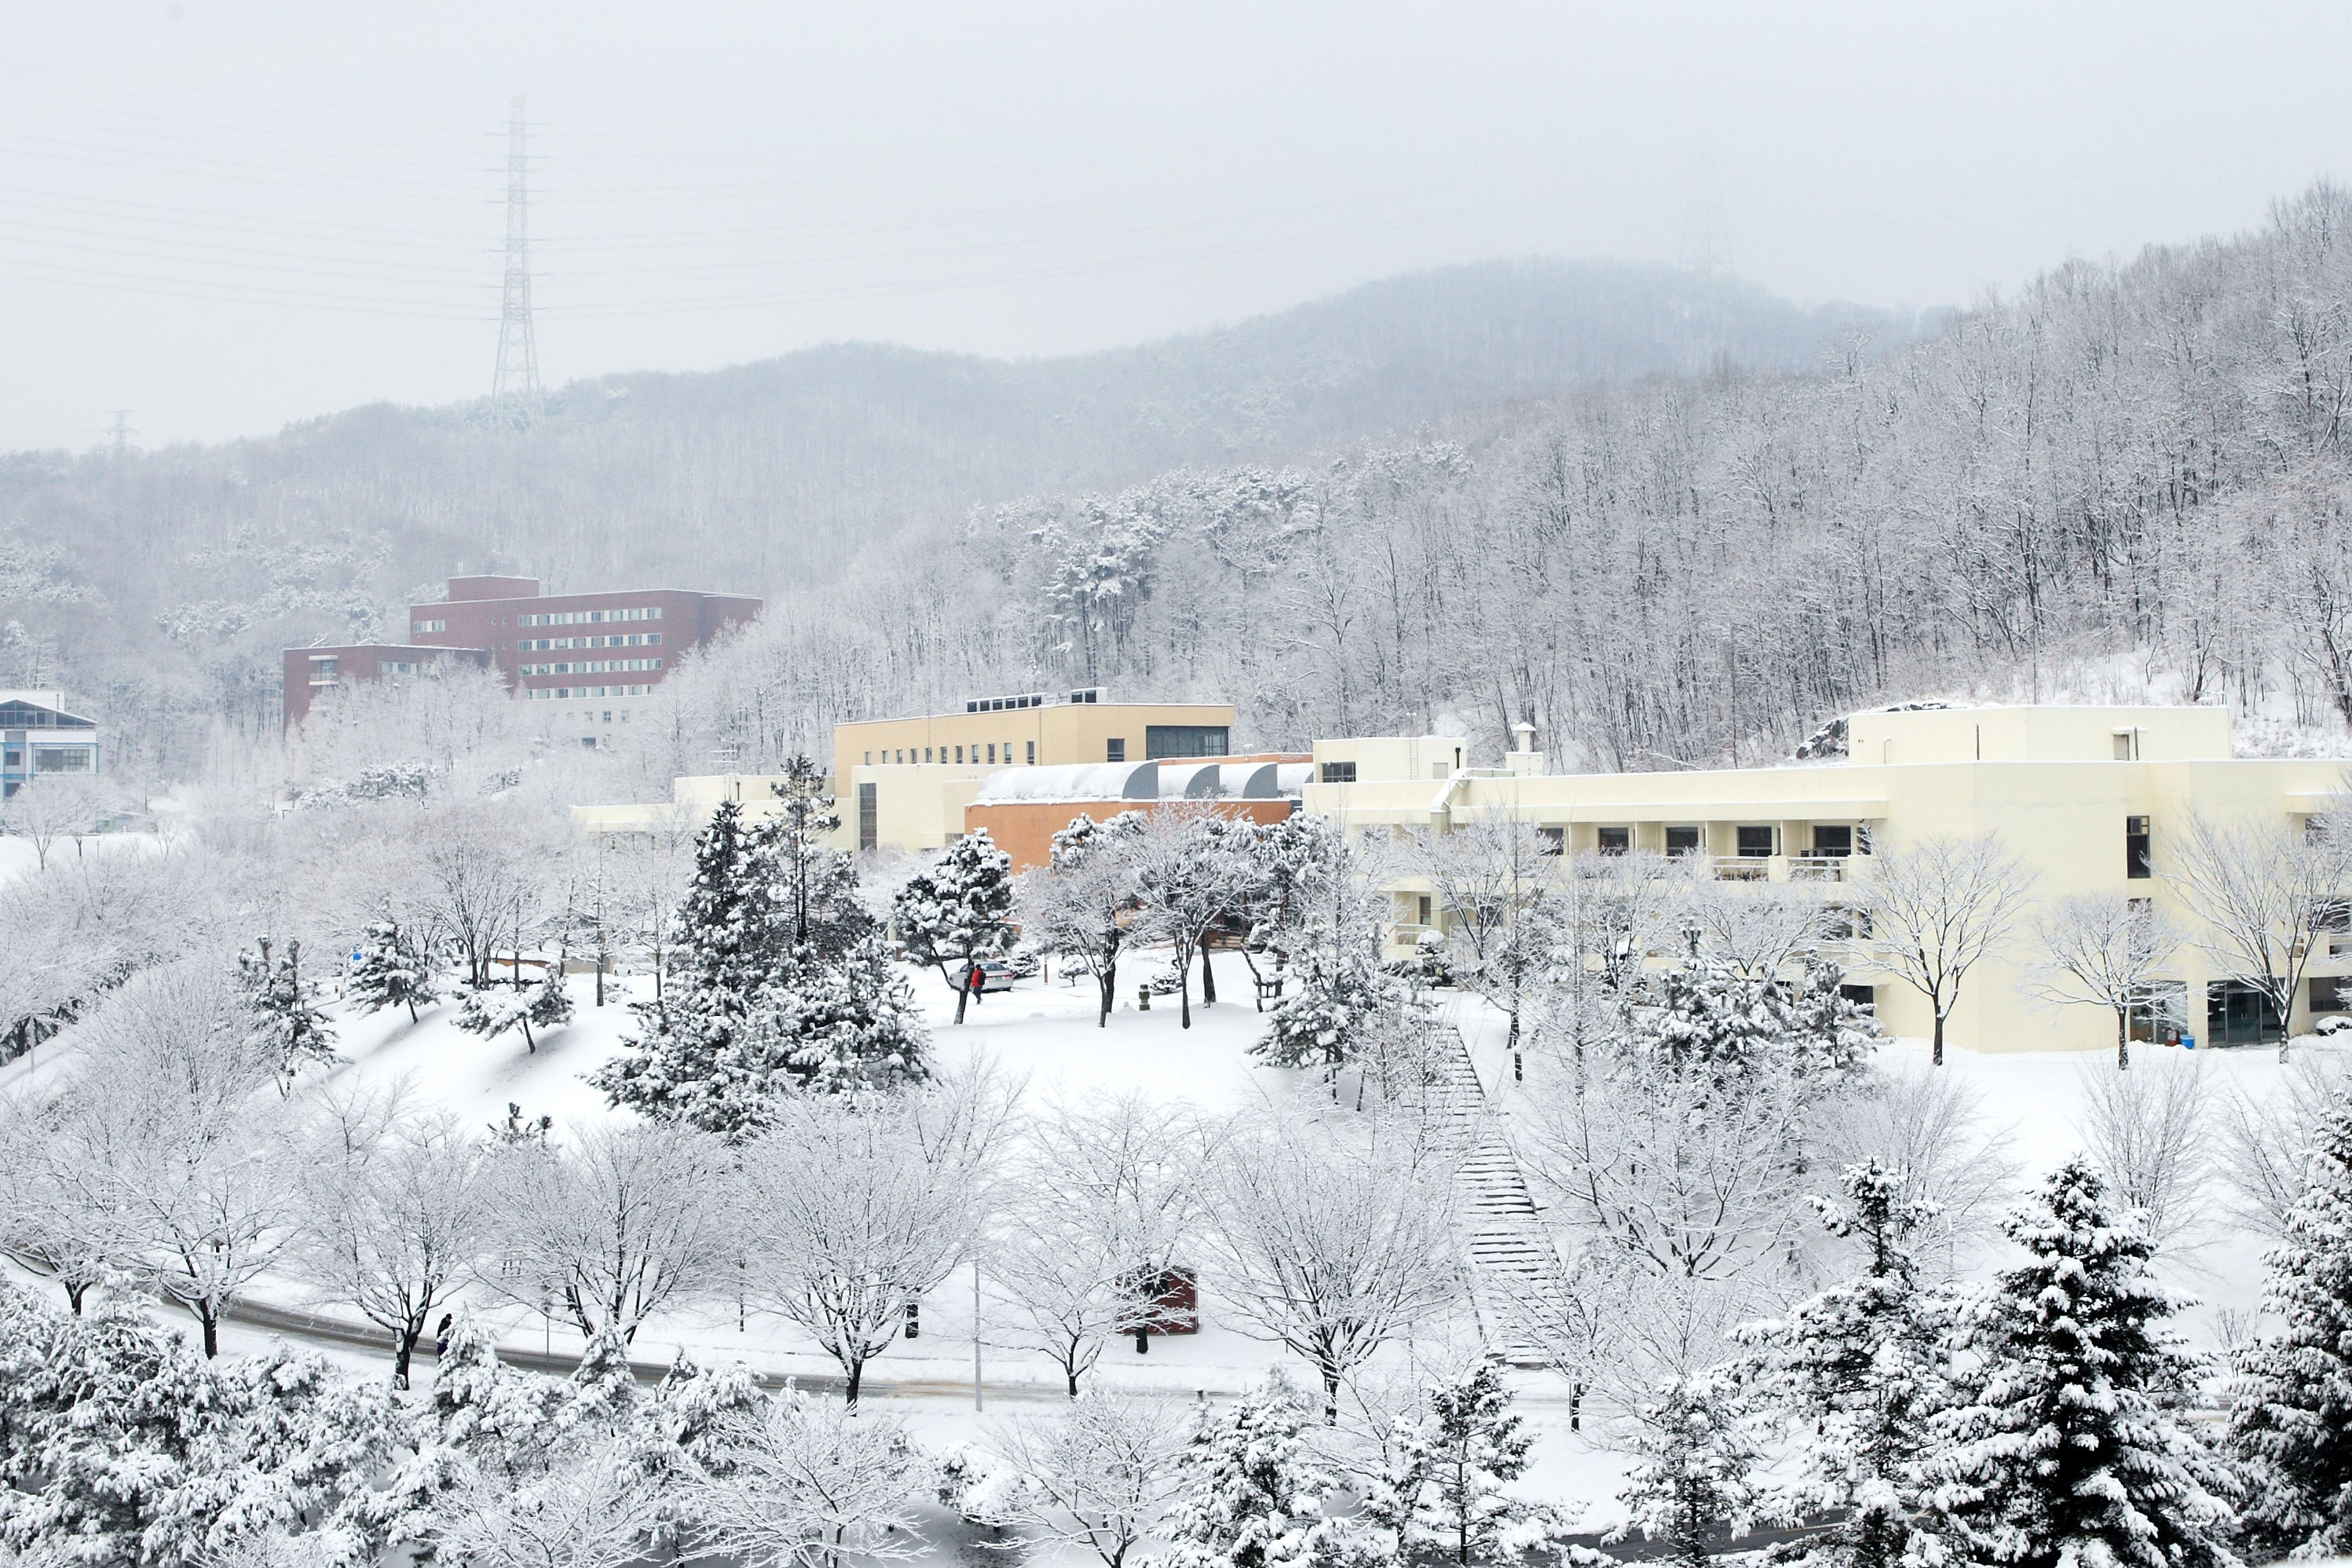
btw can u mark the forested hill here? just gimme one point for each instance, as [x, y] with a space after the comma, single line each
[167, 583]
[2132, 480]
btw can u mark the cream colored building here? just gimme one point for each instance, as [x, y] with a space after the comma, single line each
[2088, 797]
[903, 783]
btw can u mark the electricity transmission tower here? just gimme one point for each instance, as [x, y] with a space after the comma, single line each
[514, 388]
[122, 432]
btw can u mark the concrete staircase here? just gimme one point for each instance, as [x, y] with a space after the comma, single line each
[1511, 1257]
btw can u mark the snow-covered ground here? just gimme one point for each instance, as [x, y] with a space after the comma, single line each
[1046, 1034]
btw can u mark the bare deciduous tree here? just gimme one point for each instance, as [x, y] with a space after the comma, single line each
[1332, 1237]
[396, 1210]
[2150, 1135]
[2262, 1139]
[808, 1483]
[612, 1223]
[1098, 1475]
[854, 1208]
[1937, 906]
[1106, 1193]
[2262, 892]
[1496, 881]
[2105, 952]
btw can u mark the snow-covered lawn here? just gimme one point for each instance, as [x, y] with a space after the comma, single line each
[1046, 1034]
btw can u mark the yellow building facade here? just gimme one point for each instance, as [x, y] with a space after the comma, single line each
[2084, 796]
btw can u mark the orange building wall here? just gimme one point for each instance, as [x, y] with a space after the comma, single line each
[1025, 828]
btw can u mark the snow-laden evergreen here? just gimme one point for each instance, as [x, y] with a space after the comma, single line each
[2061, 1448]
[542, 1004]
[1705, 1013]
[958, 911]
[1257, 1488]
[1695, 1470]
[1441, 1494]
[1852, 1377]
[286, 1020]
[2293, 1425]
[782, 983]
[396, 968]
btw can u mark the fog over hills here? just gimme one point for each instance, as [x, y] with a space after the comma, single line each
[165, 582]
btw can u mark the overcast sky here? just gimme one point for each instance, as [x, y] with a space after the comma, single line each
[225, 216]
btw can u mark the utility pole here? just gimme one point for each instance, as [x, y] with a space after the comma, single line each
[122, 434]
[514, 388]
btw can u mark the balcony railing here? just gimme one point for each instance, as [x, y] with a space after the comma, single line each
[1817, 868]
[1743, 868]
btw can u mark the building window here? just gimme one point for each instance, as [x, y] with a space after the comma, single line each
[958, 754]
[1756, 844]
[423, 626]
[1833, 842]
[1616, 841]
[1183, 740]
[1681, 841]
[1552, 841]
[1033, 753]
[2127, 745]
[927, 754]
[1338, 773]
[1421, 909]
[869, 834]
[2237, 1014]
[1115, 748]
[62, 759]
[2137, 863]
[991, 751]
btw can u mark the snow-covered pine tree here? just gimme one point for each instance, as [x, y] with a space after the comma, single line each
[542, 1004]
[1703, 1013]
[814, 885]
[1852, 1375]
[2292, 1426]
[700, 1046]
[958, 912]
[1257, 1495]
[396, 968]
[1694, 1468]
[852, 1023]
[2060, 1448]
[1079, 906]
[291, 1029]
[1443, 1493]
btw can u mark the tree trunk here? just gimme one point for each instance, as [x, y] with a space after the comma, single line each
[856, 1376]
[403, 1349]
[75, 1291]
[1330, 1396]
[1074, 1382]
[1208, 976]
[2123, 1040]
[1184, 990]
[963, 995]
[206, 1316]
[1109, 979]
[1938, 1059]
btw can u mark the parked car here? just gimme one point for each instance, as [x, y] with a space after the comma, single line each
[996, 976]
[2331, 1023]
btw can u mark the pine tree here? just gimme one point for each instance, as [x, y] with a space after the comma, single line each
[1696, 1456]
[396, 968]
[543, 1004]
[292, 1030]
[1854, 1375]
[2061, 1451]
[697, 1055]
[1257, 1490]
[1444, 1489]
[1703, 1013]
[958, 912]
[853, 1024]
[2291, 1427]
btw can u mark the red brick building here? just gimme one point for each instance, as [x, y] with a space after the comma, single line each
[586, 656]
